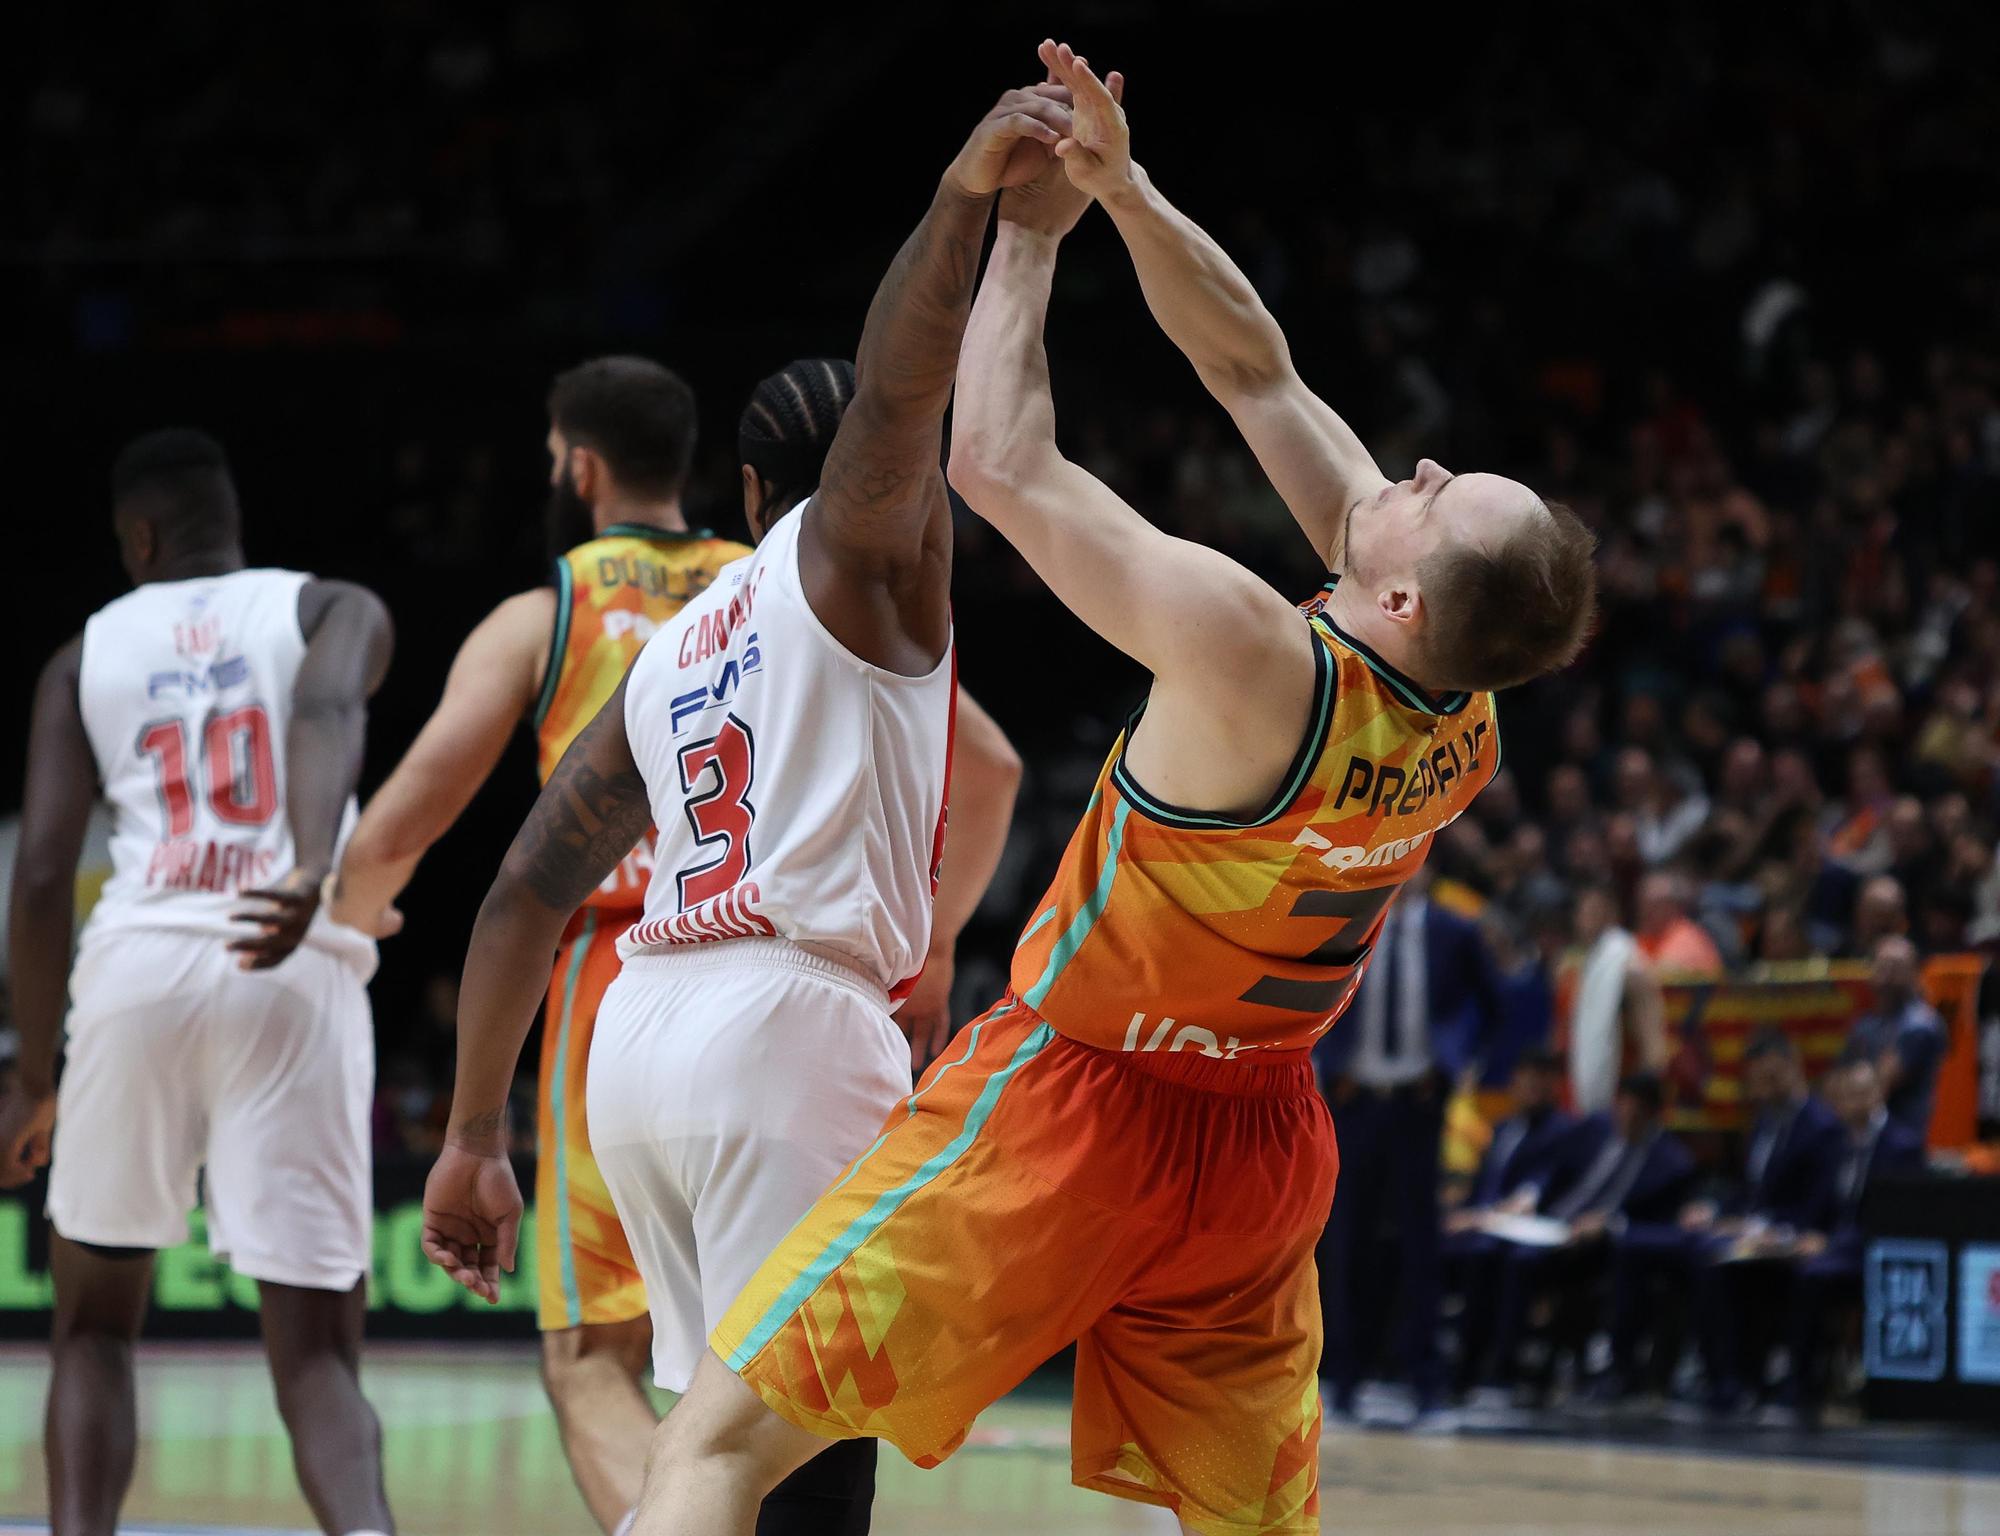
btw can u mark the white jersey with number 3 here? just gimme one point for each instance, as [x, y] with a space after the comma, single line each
[799, 791]
[186, 693]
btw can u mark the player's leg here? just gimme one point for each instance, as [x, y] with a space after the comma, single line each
[863, 1322]
[716, 1456]
[313, 1341]
[92, 1427]
[1221, 1327]
[597, 1339]
[291, 1204]
[130, 1125]
[595, 1376]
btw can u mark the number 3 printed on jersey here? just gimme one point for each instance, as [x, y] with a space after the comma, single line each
[720, 811]
[238, 769]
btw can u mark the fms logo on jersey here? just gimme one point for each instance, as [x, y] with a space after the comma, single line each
[712, 634]
[697, 702]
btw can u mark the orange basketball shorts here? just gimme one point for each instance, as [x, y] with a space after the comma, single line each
[584, 1269]
[1158, 1210]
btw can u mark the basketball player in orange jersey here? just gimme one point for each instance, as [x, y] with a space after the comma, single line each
[1129, 1150]
[621, 437]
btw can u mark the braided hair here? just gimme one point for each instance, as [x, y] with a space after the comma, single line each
[788, 426]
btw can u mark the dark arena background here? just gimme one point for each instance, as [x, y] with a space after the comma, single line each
[1725, 279]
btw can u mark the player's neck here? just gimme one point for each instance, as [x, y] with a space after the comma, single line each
[664, 515]
[1353, 611]
[196, 563]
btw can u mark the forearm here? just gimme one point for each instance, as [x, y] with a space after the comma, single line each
[1004, 422]
[985, 776]
[41, 921]
[323, 746]
[916, 321]
[402, 820]
[1200, 297]
[506, 974]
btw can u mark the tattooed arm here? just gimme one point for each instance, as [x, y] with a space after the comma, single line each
[875, 549]
[591, 813]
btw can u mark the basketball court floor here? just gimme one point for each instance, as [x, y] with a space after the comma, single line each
[471, 1448]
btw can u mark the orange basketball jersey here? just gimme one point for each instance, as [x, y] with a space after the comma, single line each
[612, 595]
[1172, 930]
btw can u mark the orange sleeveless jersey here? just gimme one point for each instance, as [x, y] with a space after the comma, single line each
[612, 594]
[1171, 930]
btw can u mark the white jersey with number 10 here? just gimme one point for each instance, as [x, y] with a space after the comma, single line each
[186, 695]
[799, 791]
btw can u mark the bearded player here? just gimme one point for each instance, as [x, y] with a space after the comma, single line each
[789, 734]
[1129, 1150]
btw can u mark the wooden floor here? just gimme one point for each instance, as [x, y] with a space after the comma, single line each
[471, 1448]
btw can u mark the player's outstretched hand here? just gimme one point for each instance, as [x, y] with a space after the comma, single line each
[26, 1121]
[1097, 151]
[288, 911]
[472, 1218]
[1051, 203]
[1013, 141]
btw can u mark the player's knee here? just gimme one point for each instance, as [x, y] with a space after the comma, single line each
[100, 1293]
[722, 1425]
[573, 1359]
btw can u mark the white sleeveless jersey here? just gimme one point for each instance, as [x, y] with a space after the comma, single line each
[186, 692]
[799, 792]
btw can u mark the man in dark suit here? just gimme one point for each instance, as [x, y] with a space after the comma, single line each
[1826, 1261]
[1533, 1156]
[1793, 1141]
[1627, 1169]
[1419, 1022]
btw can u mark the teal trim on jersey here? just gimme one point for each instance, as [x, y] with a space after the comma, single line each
[558, 641]
[657, 535]
[1087, 915]
[890, 1201]
[971, 1045]
[1325, 676]
[559, 1104]
[1405, 688]
[1036, 927]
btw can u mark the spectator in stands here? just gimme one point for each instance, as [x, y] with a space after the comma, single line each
[1826, 1262]
[1880, 912]
[1524, 994]
[1610, 1017]
[1740, 1256]
[1669, 937]
[1614, 1171]
[1424, 1010]
[1793, 1141]
[1903, 1035]
[1523, 1163]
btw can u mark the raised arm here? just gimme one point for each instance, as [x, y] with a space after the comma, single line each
[876, 544]
[1231, 660]
[490, 690]
[41, 912]
[1209, 310]
[349, 641]
[589, 815]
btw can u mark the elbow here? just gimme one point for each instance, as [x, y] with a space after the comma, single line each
[977, 467]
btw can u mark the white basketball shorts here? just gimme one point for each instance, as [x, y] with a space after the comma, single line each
[179, 1063]
[729, 1084]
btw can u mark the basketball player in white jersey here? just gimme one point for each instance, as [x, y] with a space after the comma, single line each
[788, 733]
[218, 1023]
